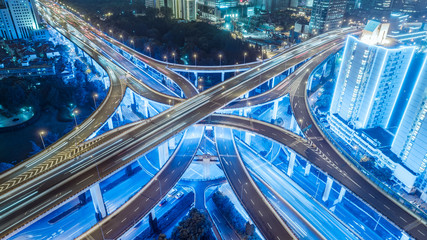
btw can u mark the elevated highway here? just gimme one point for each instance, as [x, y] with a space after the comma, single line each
[22, 209]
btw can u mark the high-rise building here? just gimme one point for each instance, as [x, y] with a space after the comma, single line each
[411, 137]
[184, 9]
[327, 15]
[383, 5]
[369, 82]
[18, 19]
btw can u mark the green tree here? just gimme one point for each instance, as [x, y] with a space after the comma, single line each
[195, 226]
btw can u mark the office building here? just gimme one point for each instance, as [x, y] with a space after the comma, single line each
[18, 19]
[410, 142]
[369, 80]
[327, 15]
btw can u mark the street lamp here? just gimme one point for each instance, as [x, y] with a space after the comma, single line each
[94, 96]
[149, 50]
[41, 133]
[174, 60]
[133, 43]
[75, 112]
[195, 59]
[244, 57]
[220, 59]
[121, 38]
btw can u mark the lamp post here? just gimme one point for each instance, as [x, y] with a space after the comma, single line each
[220, 59]
[133, 43]
[149, 50]
[174, 60]
[75, 112]
[41, 133]
[244, 57]
[121, 38]
[94, 96]
[195, 59]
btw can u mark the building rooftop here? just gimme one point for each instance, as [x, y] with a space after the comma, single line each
[372, 25]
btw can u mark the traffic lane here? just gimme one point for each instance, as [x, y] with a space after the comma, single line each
[190, 112]
[264, 216]
[124, 62]
[312, 216]
[354, 180]
[283, 87]
[142, 203]
[187, 87]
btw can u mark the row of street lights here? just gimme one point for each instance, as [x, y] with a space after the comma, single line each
[74, 114]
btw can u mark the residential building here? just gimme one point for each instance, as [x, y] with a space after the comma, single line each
[327, 15]
[18, 19]
[369, 82]
[410, 142]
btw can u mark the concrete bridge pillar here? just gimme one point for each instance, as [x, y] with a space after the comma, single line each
[172, 143]
[206, 168]
[145, 108]
[291, 163]
[246, 111]
[110, 123]
[163, 153]
[98, 202]
[275, 109]
[293, 125]
[341, 195]
[132, 98]
[307, 169]
[120, 113]
[404, 236]
[248, 138]
[328, 188]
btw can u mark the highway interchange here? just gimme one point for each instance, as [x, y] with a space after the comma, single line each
[38, 194]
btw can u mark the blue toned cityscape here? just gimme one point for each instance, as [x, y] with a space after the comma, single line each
[213, 119]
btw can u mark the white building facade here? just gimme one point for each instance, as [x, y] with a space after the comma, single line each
[369, 82]
[410, 142]
[18, 19]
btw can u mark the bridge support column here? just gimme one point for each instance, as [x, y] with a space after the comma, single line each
[246, 111]
[294, 126]
[222, 76]
[172, 143]
[163, 153]
[120, 113]
[328, 188]
[307, 169]
[404, 236]
[145, 108]
[98, 202]
[197, 80]
[275, 108]
[206, 168]
[110, 123]
[248, 138]
[291, 163]
[132, 98]
[341, 195]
